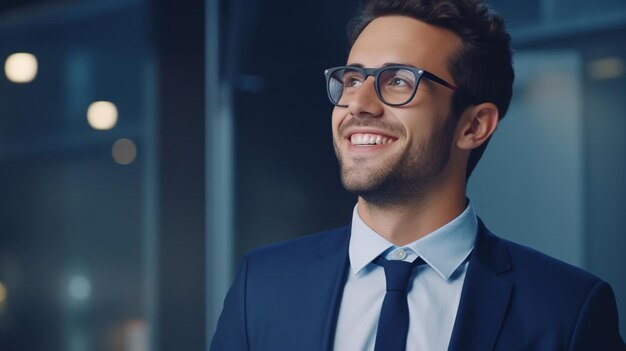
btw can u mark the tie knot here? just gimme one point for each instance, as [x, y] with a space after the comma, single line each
[398, 273]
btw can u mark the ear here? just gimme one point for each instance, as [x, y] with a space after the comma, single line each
[477, 124]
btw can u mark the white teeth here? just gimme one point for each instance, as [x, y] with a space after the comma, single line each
[369, 139]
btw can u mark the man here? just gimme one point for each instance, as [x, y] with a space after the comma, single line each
[425, 85]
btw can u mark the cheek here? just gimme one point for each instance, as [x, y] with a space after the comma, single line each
[429, 118]
[419, 128]
[443, 105]
[414, 121]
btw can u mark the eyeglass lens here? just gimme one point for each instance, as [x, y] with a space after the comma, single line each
[396, 86]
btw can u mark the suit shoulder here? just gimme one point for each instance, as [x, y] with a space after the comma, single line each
[564, 306]
[538, 266]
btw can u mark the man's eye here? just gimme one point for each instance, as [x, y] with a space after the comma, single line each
[397, 79]
[351, 82]
[398, 82]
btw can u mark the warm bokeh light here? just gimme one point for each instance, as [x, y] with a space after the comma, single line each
[3, 293]
[124, 151]
[606, 68]
[102, 115]
[79, 287]
[136, 336]
[21, 67]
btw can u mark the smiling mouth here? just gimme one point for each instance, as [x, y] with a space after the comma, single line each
[369, 139]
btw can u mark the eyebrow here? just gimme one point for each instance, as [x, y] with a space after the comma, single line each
[397, 64]
[387, 64]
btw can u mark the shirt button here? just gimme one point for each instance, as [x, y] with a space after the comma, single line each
[399, 254]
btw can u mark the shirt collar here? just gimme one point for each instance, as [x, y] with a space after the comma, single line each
[444, 250]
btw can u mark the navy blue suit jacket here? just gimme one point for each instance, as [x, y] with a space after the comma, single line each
[286, 296]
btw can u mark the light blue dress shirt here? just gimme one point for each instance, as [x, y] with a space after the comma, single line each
[433, 296]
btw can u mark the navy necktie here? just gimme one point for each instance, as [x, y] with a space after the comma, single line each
[393, 324]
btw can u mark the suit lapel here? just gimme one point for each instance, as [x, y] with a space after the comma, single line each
[321, 291]
[485, 296]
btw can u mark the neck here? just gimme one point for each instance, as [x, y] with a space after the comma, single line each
[406, 222]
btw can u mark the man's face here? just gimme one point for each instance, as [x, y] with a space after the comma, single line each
[413, 140]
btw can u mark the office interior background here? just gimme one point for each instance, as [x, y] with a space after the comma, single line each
[146, 145]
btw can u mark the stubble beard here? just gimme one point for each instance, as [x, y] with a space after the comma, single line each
[405, 178]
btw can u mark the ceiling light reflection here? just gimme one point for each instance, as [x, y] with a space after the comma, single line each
[102, 115]
[21, 67]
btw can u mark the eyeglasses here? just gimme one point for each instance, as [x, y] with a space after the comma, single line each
[395, 85]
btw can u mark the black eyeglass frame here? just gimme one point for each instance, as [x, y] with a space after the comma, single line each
[375, 72]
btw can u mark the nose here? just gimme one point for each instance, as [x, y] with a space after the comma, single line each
[365, 102]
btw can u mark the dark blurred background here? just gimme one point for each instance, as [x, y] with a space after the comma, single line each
[145, 145]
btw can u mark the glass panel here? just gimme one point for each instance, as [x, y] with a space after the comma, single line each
[72, 210]
[540, 142]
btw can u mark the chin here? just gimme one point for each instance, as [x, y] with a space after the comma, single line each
[357, 184]
[360, 182]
